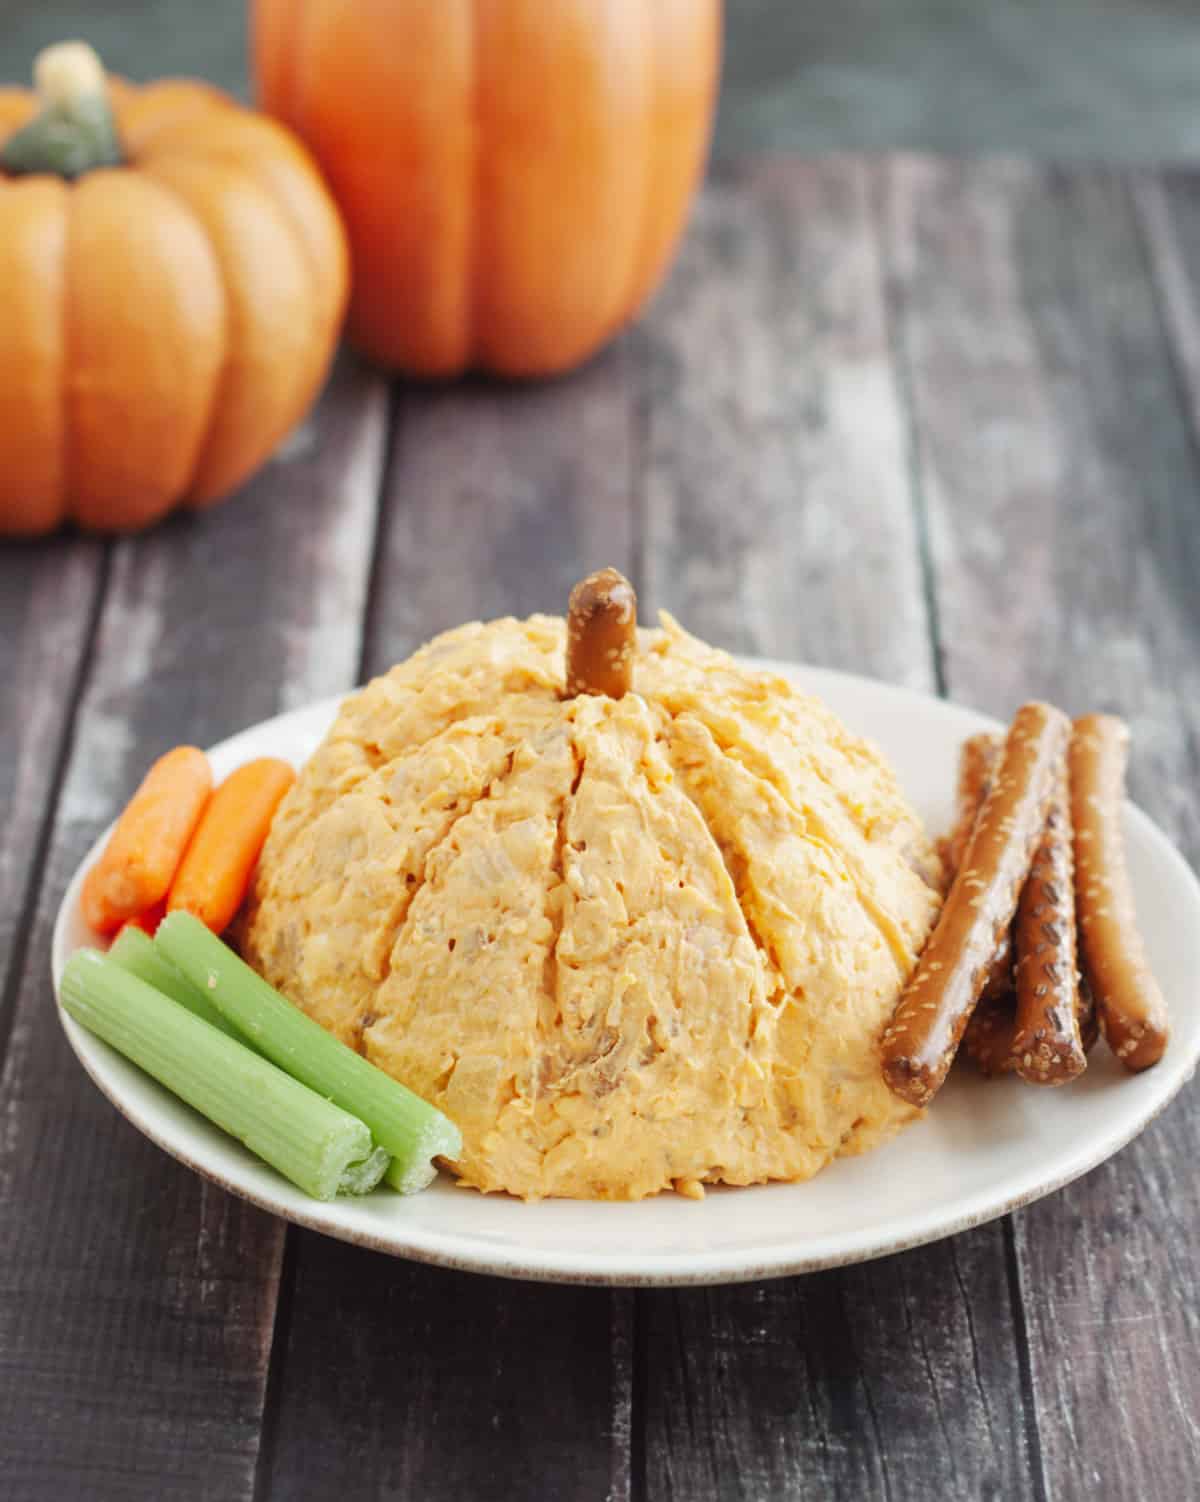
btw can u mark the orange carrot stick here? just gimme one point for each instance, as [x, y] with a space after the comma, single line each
[144, 851]
[147, 920]
[212, 879]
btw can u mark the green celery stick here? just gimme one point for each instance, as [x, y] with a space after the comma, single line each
[134, 951]
[412, 1130]
[312, 1142]
[362, 1177]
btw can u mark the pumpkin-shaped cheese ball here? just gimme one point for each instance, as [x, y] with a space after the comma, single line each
[626, 943]
[173, 275]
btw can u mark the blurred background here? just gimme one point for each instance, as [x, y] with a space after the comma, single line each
[1073, 79]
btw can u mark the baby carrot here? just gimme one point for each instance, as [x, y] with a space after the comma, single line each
[148, 920]
[216, 868]
[142, 855]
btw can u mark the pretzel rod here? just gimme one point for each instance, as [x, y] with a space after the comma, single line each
[1130, 1006]
[919, 1043]
[977, 764]
[1089, 1020]
[981, 1037]
[978, 760]
[1047, 1046]
[998, 983]
[601, 635]
[988, 1039]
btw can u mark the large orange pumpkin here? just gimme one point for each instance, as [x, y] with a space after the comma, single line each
[170, 295]
[514, 174]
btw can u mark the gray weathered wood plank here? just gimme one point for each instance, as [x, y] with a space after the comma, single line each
[1060, 480]
[1168, 209]
[406, 1381]
[49, 592]
[778, 507]
[781, 520]
[137, 1302]
[877, 1381]
[500, 497]
[445, 1385]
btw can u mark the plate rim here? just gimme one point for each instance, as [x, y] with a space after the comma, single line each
[640, 1270]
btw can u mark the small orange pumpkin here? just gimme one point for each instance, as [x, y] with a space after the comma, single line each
[514, 174]
[172, 281]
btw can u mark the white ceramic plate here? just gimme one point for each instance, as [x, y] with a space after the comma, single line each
[983, 1148]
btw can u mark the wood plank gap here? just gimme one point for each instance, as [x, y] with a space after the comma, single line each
[379, 551]
[905, 391]
[41, 849]
[1174, 300]
[264, 1467]
[638, 1491]
[1033, 1433]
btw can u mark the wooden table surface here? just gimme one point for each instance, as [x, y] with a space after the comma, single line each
[931, 421]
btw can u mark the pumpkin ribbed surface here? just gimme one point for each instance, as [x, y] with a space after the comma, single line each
[514, 174]
[165, 322]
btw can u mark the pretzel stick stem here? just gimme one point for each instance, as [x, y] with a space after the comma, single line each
[601, 635]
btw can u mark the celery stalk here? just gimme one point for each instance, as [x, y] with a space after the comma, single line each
[361, 1177]
[312, 1142]
[134, 951]
[413, 1131]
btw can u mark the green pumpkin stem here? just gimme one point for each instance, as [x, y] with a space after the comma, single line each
[74, 131]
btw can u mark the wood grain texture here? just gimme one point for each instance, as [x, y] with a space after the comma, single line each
[136, 1302]
[49, 592]
[407, 1381]
[775, 457]
[399, 1380]
[779, 519]
[876, 1381]
[1059, 475]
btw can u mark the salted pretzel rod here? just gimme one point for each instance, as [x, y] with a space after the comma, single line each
[1047, 1046]
[997, 1002]
[1130, 1006]
[1089, 1020]
[919, 1043]
[989, 1029]
[978, 761]
[601, 635]
[988, 1038]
